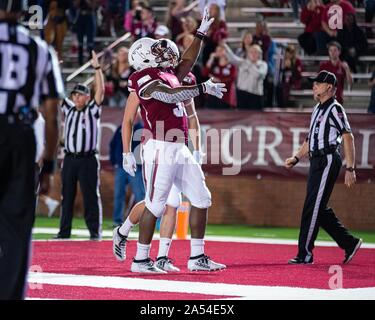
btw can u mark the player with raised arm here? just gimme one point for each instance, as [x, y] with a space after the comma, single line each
[167, 160]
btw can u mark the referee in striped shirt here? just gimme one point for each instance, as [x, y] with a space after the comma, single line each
[30, 78]
[82, 119]
[329, 126]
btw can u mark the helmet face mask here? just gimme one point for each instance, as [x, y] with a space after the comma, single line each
[166, 53]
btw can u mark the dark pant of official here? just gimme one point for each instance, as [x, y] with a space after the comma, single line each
[17, 206]
[323, 174]
[84, 169]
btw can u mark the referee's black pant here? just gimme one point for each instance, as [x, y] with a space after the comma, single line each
[17, 206]
[84, 169]
[323, 174]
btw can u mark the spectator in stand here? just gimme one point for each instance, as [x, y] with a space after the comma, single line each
[220, 3]
[133, 16]
[189, 27]
[295, 4]
[246, 42]
[146, 26]
[262, 38]
[339, 68]
[117, 80]
[162, 32]
[330, 34]
[221, 70]
[177, 10]
[56, 25]
[290, 76]
[369, 15]
[252, 71]
[217, 32]
[353, 41]
[371, 107]
[114, 11]
[86, 26]
[311, 17]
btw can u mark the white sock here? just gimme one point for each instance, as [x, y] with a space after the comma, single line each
[143, 251]
[164, 245]
[197, 247]
[126, 227]
[49, 201]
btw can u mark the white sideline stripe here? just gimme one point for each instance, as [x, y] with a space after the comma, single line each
[217, 289]
[134, 235]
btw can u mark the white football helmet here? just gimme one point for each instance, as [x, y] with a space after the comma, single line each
[141, 55]
[147, 52]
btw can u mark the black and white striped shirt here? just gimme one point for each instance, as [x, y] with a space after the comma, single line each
[81, 126]
[29, 70]
[328, 123]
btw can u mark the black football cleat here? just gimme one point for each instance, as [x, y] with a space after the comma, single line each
[298, 260]
[349, 254]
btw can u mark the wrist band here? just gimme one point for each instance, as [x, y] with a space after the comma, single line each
[48, 166]
[97, 68]
[199, 35]
[297, 160]
[201, 88]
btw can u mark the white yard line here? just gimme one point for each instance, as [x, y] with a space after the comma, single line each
[134, 235]
[249, 292]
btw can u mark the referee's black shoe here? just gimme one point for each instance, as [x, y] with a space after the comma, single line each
[298, 260]
[349, 254]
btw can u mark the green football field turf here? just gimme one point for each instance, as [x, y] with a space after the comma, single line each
[218, 230]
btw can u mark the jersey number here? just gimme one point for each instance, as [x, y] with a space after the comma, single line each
[180, 110]
[13, 66]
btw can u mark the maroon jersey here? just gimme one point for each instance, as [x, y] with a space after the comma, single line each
[160, 118]
[340, 73]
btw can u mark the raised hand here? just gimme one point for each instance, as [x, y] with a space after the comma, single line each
[214, 89]
[206, 22]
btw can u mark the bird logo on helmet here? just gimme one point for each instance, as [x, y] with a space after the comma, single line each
[147, 52]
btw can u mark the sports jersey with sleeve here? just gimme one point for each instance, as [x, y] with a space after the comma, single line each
[165, 121]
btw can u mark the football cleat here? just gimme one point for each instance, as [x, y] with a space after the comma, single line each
[298, 260]
[204, 263]
[166, 264]
[119, 244]
[349, 254]
[145, 266]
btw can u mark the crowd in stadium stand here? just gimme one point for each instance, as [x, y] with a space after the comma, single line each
[255, 74]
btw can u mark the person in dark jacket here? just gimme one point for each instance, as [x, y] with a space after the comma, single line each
[123, 179]
[353, 41]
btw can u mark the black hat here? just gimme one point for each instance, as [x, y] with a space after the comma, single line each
[13, 5]
[82, 89]
[325, 77]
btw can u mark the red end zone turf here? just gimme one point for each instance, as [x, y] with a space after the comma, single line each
[248, 264]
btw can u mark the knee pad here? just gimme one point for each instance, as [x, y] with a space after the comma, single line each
[204, 200]
[156, 207]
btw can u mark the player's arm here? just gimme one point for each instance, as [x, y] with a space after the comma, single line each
[194, 130]
[191, 54]
[302, 151]
[129, 163]
[99, 80]
[162, 92]
[194, 126]
[130, 113]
